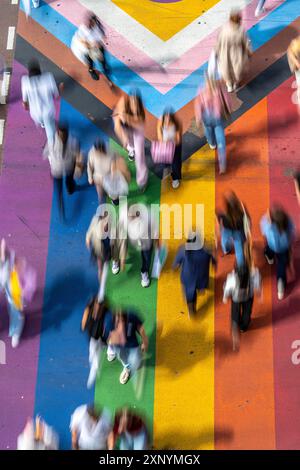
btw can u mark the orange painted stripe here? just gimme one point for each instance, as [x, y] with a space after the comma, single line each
[244, 388]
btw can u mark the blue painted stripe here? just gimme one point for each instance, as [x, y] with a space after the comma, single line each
[70, 281]
[186, 90]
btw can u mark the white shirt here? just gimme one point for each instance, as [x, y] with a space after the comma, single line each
[92, 36]
[91, 435]
[232, 288]
[39, 92]
[61, 164]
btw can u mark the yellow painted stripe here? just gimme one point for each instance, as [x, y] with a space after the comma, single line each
[165, 19]
[184, 376]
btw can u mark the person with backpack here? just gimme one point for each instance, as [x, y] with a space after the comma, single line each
[279, 232]
[240, 286]
[194, 261]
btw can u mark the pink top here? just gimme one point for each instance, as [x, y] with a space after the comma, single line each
[211, 101]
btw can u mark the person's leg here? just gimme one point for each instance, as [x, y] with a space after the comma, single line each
[131, 359]
[58, 189]
[176, 166]
[95, 350]
[100, 192]
[146, 256]
[260, 7]
[126, 441]
[246, 314]
[191, 300]
[104, 64]
[140, 441]
[91, 66]
[221, 144]
[210, 135]
[281, 274]
[235, 325]
[140, 159]
[269, 254]
[111, 353]
[70, 183]
[49, 124]
[16, 324]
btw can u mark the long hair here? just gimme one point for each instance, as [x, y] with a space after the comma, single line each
[173, 119]
[234, 210]
[94, 20]
[100, 146]
[280, 218]
[140, 106]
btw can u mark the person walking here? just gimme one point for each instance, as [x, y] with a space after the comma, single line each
[279, 232]
[240, 286]
[233, 51]
[88, 46]
[124, 343]
[194, 261]
[234, 227]
[293, 55]
[39, 92]
[37, 435]
[141, 228]
[129, 123]
[90, 428]
[130, 429]
[211, 108]
[169, 129]
[63, 156]
[103, 168]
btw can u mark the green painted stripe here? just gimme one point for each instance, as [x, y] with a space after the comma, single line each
[125, 290]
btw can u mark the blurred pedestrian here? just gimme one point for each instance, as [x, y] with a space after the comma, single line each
[279, 232]
[169, 129]
[129, 122]
[39, 92]
[101, 164]
[88, 46]
[124, 344]
[194, 261]
[241, 285]
[63, 156]
[233, 51]
[18, 281]
[293, 54]
[38, 435]
[130, 430]
[234, 227]
[90, 428]
[143, 234]
[212, 107]
[98, 322]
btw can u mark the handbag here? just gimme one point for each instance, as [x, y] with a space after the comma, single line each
[163, 152]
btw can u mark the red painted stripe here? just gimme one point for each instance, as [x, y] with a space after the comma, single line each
[284, 151]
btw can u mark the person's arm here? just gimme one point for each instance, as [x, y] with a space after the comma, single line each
[89, 233]
[85, 317]
[145, 341]
[228, 287]
[159, 130]
[111, 440]
[75, 439]
[178, 258]
[297, 189]
[24, 90]
[198, 109]
[90, 169]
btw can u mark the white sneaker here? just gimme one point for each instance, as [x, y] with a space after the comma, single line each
[280, 289]
[131, 155]
[175, 184]
[229, 87]
[111, 356]
[212, 147]
[115, 267]
[36, 3]
[15, 341]
[145, 282]
[124, 377]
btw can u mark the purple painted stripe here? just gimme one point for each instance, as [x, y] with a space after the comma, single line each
[26, 196]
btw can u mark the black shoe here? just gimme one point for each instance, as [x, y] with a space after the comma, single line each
[94, 74]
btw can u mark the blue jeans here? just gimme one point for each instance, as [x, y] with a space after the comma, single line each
[214, 132]
[129, 357]
[233, 239]
[137, 442]
[16, 321]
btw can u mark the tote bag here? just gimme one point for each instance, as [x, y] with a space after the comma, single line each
[163, 152]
